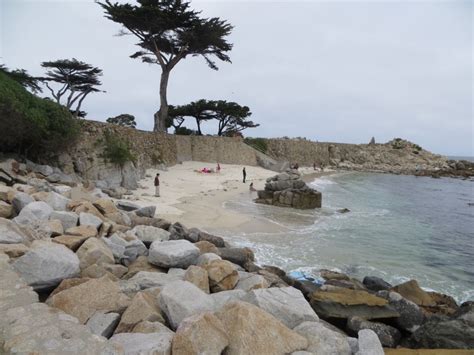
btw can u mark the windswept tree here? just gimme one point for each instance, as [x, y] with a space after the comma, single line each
[176, 117]
[232, 118]
[124, 120]
[169, 31]
[76, 80]
[22, 77]
[201, 111]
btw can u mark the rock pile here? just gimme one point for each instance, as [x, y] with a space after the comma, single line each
[92, 276]
[289, 190]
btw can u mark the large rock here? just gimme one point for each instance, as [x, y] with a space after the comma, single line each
[289, 190]
[369, 343]
[125, 249]
[375, 283]
[34, 212]
[105, 206]
[146, 279]
[38, 329]
[127, 206]
[82, 231]
[388, 335]
[200, 334]
[239, 256]
[144, 307]
[46, 265]
[173, 253]
[88, 219]
[411, 316]
[198, 276]
[57, 201]
[94, 251]
[150, 234]
[20, 200]
[72, 242]
[149, 327]
[248, 282]
[141, 343]
[217, 241]
[148, 211]
[83, 300]
[206, 258]
[103, 324]
[336, 302]
[11, 233]
[68, 219]
[286, 304]
[222, 275]
[413, 292]
[141, 264]
[6, 210]
[445, 334]
[181, 299]
[14, 250]
[253, 331]
[220, 299]
[323, 340]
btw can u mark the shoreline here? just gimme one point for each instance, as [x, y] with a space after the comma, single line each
[198, 199]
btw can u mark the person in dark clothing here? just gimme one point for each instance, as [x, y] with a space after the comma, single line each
[244, 174]
[157, 185]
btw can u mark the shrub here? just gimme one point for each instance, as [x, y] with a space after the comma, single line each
[125, 120]
[258, 143]
[30, 125]
[117, 150]
[184, 131]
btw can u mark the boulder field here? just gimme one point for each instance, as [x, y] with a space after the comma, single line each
[91, 275]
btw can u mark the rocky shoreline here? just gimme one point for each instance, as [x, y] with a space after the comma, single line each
[81, 273]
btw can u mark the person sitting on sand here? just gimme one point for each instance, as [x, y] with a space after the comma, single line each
[157, 185]
[251, 188]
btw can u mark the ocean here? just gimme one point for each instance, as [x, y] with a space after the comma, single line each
[398, 228]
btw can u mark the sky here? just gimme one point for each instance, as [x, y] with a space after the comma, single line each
[338, 71]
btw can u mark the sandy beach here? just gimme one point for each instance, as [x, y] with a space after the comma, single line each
[196, 199]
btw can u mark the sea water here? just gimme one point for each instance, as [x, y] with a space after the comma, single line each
[398, 228]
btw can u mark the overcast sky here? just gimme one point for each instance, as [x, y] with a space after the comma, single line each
[340, 71]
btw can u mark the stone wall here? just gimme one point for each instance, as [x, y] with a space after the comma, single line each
[214, 149]
[153, 149]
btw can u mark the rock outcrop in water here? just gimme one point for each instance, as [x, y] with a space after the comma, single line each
[289, 190]
[115, 282]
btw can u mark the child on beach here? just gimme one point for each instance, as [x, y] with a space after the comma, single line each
[251, 188]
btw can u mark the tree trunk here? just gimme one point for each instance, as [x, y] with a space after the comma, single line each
[162, 115]
[198, 124]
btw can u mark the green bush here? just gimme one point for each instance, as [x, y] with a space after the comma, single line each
[117, 150]
[30, 125]
[184, 131]
[258, 143]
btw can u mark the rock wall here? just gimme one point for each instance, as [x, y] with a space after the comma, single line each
[152, 149]
[397, 156]
[214, 149]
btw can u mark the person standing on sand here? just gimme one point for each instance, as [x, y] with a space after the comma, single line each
[218, 168]
[157, 185]
[244, 174]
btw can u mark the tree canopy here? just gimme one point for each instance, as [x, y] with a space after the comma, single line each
[76, 79]
[231, 117]
[169, 31]
[125, 120]
[22, 77]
